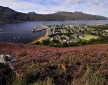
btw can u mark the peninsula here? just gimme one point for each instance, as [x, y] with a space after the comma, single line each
[72, 35]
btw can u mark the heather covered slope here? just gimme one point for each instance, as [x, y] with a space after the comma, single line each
[85, 65]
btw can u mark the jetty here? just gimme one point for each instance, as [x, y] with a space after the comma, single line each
[37, 29]
[44, 36]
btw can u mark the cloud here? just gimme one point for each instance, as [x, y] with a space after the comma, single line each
[97, 7]
[99, 2]
[95, 3]
[77, 1]
[89, 5]
[18, 5]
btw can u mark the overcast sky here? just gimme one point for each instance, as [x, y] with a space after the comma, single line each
[96, 7]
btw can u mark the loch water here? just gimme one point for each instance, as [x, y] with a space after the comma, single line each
[22, 32]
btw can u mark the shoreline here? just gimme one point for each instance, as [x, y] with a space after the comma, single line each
[47, 31]
[40, 38]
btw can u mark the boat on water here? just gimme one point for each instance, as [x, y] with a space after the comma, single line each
[14, 37]
[10, 40]
[29, 34]
[0, 29]
[18, 37]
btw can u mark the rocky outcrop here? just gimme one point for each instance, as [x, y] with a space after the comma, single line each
[7, 73]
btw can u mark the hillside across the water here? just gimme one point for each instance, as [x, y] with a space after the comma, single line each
[41, 65]
[8, 15]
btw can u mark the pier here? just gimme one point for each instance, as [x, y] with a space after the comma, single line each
[44, 36]
[37, 29]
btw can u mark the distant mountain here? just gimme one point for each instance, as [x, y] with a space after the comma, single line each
[5, 9]
[8, 15]
[62, 16]
[31, 13]
[80, 16]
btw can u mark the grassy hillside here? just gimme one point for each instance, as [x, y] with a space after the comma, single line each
[40, 65]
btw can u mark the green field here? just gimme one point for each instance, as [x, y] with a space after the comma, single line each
[89, 37]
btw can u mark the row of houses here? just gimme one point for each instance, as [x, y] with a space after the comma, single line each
[77, 31]
[55, 29]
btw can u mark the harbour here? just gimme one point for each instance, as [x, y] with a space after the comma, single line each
[24, 29]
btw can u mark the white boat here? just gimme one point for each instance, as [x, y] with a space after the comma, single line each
[18, 37]
[29, 34]
[14, 37]
[0, 29]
